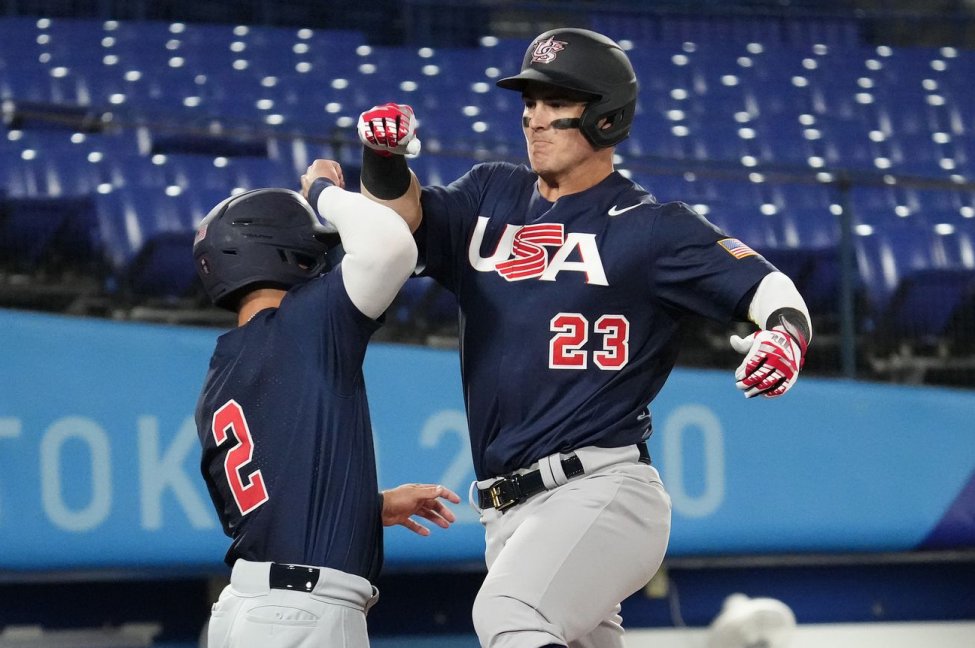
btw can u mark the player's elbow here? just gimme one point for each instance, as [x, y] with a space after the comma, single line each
[401, 255]
[406, 206]
[392, 255]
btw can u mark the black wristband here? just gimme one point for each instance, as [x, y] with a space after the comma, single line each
[385, 177]
[794, 322]
[318, 185]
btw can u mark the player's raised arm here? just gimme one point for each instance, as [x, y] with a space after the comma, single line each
[775, 354]
[388, 133]
[380, 253]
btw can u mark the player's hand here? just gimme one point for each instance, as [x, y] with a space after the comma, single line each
[389, 129]
[772, 362]
[331, 171]
[423, 500]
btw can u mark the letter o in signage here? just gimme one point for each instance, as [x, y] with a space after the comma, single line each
[701, 419]
[54, 469]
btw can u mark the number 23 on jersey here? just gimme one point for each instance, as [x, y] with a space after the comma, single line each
[248, 490]
[565, 348]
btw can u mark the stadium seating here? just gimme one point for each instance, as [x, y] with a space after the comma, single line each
[99, 112]
[147, 236]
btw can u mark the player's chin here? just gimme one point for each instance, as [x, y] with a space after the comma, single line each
[540, 163]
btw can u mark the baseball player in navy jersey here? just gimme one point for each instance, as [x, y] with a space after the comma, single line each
[283, 418]
[572, 283]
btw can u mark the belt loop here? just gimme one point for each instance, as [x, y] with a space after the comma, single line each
[547, 471]
[371, 600]
[644, 453]
[558, 471]
[472, 499]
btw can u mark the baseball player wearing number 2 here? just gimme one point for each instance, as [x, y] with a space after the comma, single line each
[283, 417]
[572, 283]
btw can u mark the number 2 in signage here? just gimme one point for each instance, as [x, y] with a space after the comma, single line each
[571, 334]
[249, 492]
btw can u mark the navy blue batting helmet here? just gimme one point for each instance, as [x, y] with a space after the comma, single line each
[261, 238]
[589, 63]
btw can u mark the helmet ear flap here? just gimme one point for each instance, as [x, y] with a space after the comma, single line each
[602, 133]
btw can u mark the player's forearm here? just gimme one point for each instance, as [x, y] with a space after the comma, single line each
[389, 181]
[380, 253]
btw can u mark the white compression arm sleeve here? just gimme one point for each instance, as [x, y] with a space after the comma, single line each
[380, 253]
[775, 292]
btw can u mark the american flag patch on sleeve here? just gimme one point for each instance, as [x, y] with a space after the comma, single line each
[736, 248]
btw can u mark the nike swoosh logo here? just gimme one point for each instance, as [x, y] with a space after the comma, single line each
[615, 211]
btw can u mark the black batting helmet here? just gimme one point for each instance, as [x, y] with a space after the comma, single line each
[589, 63]
[260, 238]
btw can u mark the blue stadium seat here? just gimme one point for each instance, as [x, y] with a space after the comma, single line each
[669, 187]
[433, 169]
[426, 305]
[147, 237]
[883, 257]
[744, 222]
[746, 85]
[808, 251]
[37, 231]
[258, 172]
[918, 277]
[50, 164]
[925, 303]
[294, 154]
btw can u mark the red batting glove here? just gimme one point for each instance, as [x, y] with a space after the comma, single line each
[772, 362]
[389, 129]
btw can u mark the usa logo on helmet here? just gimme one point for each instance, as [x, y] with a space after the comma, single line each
[200, 233]
[547, 50]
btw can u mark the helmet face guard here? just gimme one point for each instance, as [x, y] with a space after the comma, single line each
[260, 238]
[589, 63]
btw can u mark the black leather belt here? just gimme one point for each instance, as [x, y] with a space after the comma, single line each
[296, 578]
[514, 489]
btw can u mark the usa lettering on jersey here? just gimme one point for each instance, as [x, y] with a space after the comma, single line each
[538, 251]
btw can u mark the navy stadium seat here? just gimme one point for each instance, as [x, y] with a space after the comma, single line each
[147, 237]
[918, 276]
[781, 93]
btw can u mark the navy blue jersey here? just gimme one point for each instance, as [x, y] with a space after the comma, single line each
[569, 311]
[287, 440]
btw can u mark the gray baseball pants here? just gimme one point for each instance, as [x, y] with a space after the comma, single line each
[561, 562]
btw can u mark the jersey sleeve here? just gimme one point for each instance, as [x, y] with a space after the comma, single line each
[697, 268]
[341, 332]
[448, 213]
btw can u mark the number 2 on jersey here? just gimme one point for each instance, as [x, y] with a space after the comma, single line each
[572, 333]
[249, 493]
